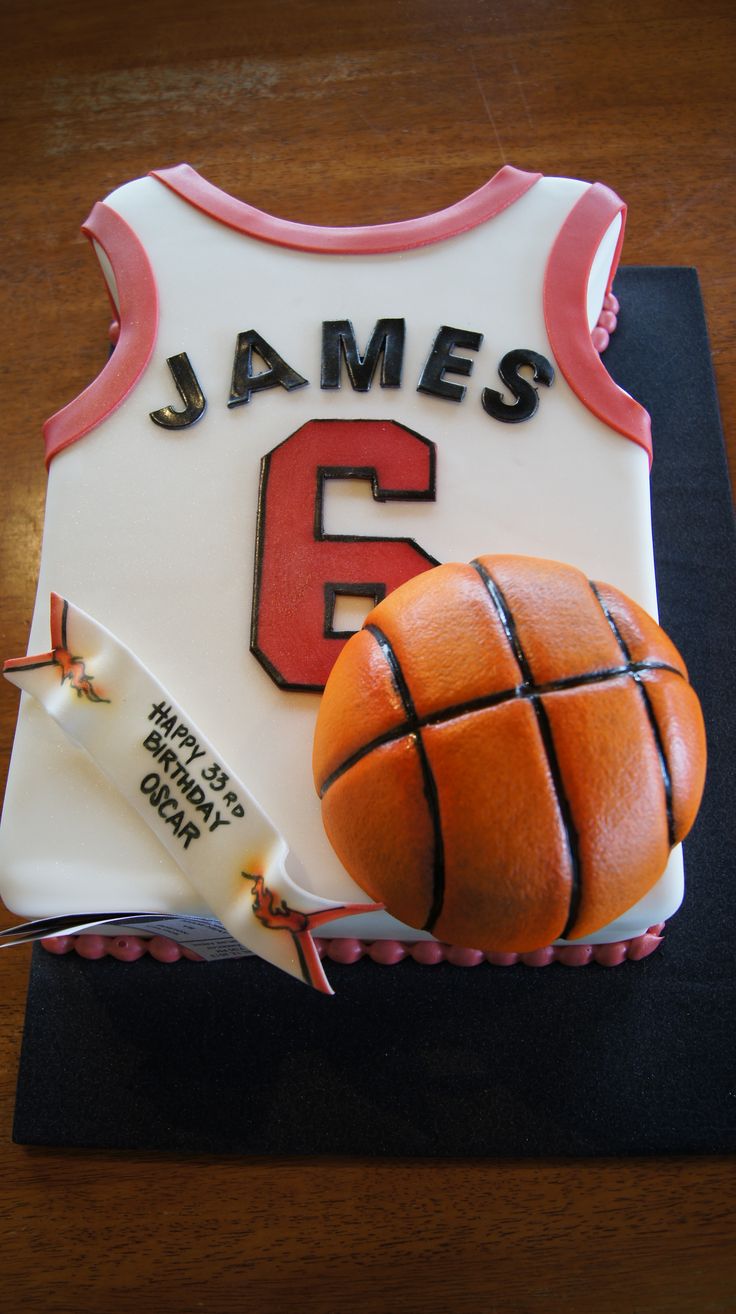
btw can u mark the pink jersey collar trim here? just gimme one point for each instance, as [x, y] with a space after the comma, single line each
[138, 317]
[502, 190]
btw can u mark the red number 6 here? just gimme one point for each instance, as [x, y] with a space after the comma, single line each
[300, 570]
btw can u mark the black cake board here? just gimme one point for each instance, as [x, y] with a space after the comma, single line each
[238, 1058]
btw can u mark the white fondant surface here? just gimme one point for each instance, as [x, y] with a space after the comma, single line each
[152, 532]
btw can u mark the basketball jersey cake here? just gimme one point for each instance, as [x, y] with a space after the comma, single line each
[295, 424]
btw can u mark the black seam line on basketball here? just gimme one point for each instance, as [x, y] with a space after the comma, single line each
[428, 780]
[664, 766]
[506, 618]
[568, 821]
[64, 619]
[519, 693]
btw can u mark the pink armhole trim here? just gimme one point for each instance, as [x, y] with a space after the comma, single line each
[503, 189]
[565, 312]
[138, 325]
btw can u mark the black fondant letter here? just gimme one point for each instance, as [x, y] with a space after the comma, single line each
[527, 397]
[441, 359]
[245, 382]
[187, 386]
[387, 340]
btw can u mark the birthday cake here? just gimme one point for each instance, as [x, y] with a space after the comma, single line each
[295, 424]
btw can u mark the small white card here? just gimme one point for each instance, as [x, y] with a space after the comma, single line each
[206, 936]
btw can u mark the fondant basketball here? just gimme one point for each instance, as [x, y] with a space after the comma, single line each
[507, 752]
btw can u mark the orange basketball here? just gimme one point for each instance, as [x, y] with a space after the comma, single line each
[507, 752]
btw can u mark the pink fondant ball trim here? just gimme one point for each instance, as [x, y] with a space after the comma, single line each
[163, 950]
[126, 948]
[92, 946]
[387, 952]
[58, 944]
[600, 338]
[607, 323]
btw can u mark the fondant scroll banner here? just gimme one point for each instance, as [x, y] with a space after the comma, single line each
[107, 702]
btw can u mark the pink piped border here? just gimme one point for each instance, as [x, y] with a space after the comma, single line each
[135, 333]
[496, 195]
[387, 953]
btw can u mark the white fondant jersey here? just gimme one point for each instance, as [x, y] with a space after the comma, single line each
[152, 530]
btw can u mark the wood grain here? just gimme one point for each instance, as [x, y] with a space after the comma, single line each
[337, 113]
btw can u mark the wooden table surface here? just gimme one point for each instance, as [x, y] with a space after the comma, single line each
[340, 113]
